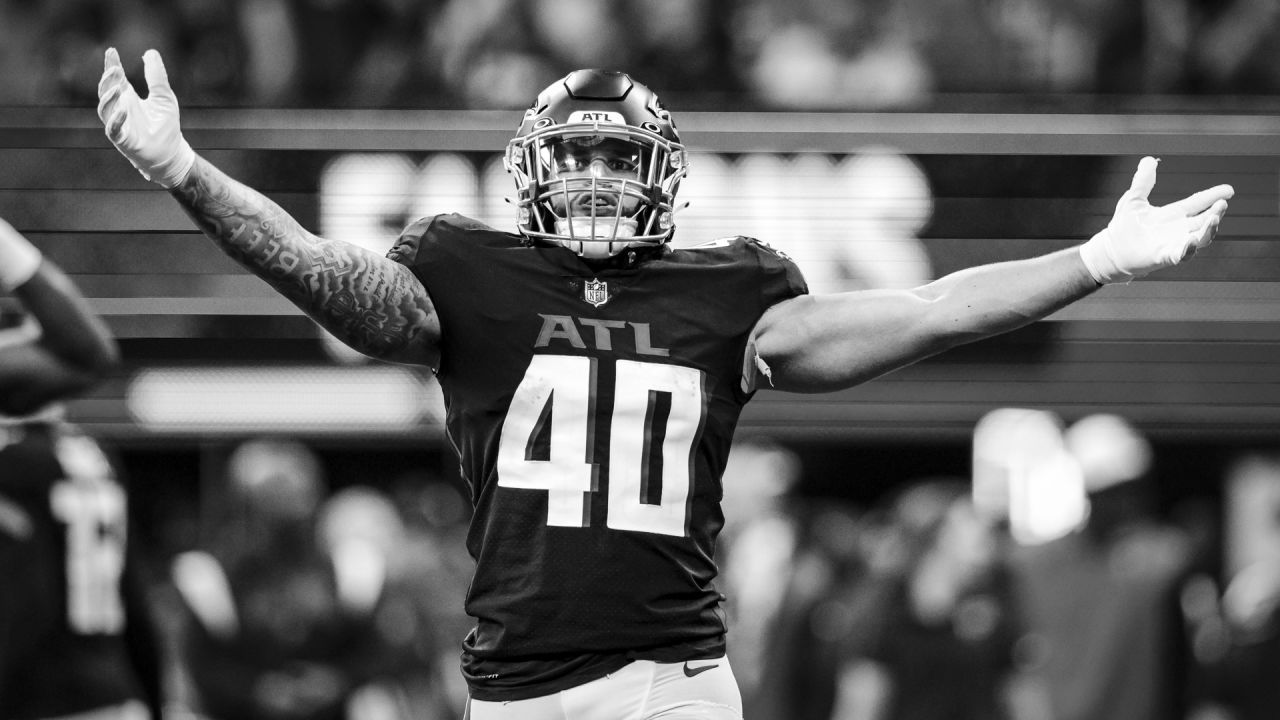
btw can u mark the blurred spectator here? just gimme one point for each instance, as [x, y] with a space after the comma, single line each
[272, 53]
[73, 33]
[816, 54]
[28, 77]
[436, 515]
[344, 53]
[285, 609]
[581, 33]
[684, 47]
[1238, 641]
[208, 36]
[486, 52]
[1234, 45]
[492, 51]
[1030, 46]
[935, 633]
[1107, 638]
[758, 546]
[362, 530]
[826, 54]
[781, 565]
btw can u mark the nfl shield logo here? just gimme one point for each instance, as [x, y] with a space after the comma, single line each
[595, 292]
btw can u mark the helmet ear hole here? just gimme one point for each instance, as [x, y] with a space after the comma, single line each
[651, 126]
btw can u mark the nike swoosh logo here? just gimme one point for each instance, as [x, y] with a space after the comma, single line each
[690, 672]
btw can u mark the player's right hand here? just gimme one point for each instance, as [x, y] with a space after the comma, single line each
[146, 132]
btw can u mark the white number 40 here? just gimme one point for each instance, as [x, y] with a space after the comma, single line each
[555, 402]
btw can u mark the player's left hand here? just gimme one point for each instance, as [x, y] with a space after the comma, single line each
[1142, 237]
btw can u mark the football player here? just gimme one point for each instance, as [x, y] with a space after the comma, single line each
[57, 347]
[284, 615]
[594, 373]
[72, 641]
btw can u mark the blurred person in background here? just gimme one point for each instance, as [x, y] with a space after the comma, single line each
[435, 514]
[594, 374]
[490, 52]
[1107, 637]
[818, 54]
[780, 565]
[935, 633]
[363, 530]
[684, 47]
[29, 78]
[828, 54]
[339, 53]
[759, 554]
[1237, 636]
[76, 636]
[1232, 44]
[283, 607]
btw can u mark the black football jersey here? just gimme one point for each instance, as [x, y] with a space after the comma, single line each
[63, 647]
[592, 407]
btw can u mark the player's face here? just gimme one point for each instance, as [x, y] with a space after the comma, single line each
[606, 160]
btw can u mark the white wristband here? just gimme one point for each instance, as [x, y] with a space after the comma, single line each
[19, 259]
[1100, 261]
[173, 171]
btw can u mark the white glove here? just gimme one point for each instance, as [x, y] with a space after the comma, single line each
[146, 132]
[1141, 238]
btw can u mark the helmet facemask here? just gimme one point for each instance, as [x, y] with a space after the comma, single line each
[595, 187]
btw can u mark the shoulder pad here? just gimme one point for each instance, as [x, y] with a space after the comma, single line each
[405, 248]
[432, 229]
[766, 246]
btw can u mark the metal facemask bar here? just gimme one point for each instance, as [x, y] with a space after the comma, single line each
[625, 226]
[581, 229]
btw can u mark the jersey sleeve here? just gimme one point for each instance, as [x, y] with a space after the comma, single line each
[406, 247]
[430, 244]
[782, 280]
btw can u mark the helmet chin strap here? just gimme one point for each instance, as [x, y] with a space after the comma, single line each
[602, 237]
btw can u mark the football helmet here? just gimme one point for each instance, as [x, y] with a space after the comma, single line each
[597, 162]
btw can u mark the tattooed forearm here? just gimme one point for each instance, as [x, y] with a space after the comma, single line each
[373, 304]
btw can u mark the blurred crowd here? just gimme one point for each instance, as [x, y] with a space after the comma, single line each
[299, 598]
[1049, 585]
[699, 54]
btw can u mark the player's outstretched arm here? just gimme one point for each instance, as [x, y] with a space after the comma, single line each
[372, 303]
[828, 342]
[63, 349]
